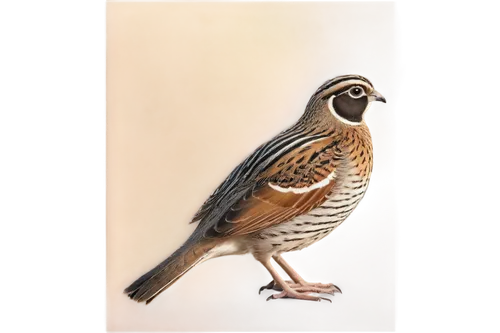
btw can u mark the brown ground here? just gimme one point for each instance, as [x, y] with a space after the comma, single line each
[191, 88]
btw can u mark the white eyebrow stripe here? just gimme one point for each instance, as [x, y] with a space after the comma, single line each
[299, 190]
[344, 84]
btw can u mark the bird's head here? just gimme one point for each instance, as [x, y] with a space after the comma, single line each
[346, 97]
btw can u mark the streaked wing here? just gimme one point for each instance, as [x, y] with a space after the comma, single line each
[294, 184]
[225, 188]
[237, 176]
[242, 177]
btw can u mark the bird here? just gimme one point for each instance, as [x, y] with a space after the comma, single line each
[289, 193]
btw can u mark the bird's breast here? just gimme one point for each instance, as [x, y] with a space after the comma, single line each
[309, 228]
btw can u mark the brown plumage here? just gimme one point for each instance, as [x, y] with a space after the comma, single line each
[291, 192]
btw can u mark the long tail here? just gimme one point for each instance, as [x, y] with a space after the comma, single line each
[151, 284]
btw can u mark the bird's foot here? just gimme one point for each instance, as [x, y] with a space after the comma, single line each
[302, 289]
[296, 294]
[316, 287]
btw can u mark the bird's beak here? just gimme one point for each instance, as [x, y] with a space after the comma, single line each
[376, 96]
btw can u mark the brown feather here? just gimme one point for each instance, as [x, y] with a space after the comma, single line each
[265, 206]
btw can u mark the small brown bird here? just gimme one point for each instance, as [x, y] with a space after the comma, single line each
[289, 193]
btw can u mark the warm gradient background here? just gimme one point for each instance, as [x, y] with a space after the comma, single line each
[193, 88]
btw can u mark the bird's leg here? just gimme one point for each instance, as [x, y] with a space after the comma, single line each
[300, 282]
[289, 270]
[288, 291]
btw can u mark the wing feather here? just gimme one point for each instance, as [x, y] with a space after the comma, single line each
[294, 185]
[244, 175]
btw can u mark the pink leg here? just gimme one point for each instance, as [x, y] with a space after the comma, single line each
[288, 291]
[298, 283]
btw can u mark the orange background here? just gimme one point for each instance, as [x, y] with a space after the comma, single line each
[192, 89]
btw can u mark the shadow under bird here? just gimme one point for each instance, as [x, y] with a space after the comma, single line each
[289, 193]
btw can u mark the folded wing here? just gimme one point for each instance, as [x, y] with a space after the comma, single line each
[296, 183]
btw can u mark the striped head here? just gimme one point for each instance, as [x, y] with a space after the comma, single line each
[346, 97]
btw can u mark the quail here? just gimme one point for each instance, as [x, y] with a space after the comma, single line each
[289, 193]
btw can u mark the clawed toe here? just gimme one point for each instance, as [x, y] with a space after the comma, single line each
[301, 290]
[313, 284]
[315, 290]
[270, 285]
[306, 290]
[315, 287]
[297, 295]
[321, 285]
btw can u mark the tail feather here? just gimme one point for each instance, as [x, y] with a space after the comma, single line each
[151, 284]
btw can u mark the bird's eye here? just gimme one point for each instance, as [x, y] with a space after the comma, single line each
[356, 92]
